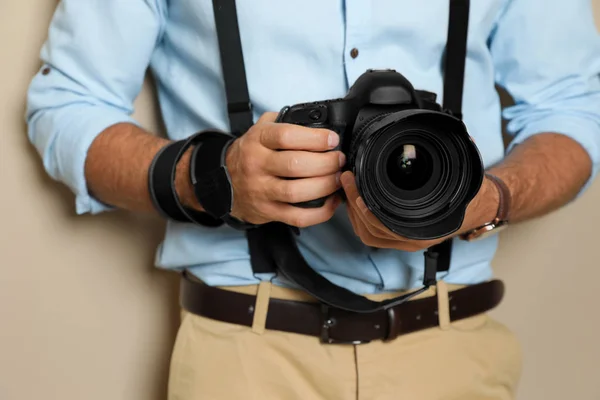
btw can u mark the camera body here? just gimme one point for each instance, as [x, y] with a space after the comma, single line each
[416, 166]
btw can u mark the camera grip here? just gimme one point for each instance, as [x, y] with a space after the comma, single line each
[317, 203]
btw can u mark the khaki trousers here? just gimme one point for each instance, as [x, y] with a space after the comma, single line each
[473, 359]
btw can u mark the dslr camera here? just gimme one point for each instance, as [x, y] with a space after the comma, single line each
[415, 164]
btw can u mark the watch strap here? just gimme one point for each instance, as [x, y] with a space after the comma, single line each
[504, 198]
[502, 214]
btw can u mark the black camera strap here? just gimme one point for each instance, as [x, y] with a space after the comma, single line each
[239, 107]
[455, 58]
[273, 248]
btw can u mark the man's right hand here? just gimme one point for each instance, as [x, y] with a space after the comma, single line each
[263, 160]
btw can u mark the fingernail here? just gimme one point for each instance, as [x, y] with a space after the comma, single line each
[338, 177]
[333, 139]
[342, 159]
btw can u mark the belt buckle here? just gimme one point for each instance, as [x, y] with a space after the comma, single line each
[327, 323]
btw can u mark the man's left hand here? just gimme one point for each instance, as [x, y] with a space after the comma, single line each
[372, 232]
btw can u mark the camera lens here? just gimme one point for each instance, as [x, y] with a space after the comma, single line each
[409, 167]
[416, 170]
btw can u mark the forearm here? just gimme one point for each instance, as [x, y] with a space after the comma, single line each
[117, 165]
[543, 173]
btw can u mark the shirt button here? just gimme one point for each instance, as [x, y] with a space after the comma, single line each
[46, 71]
[354, 53]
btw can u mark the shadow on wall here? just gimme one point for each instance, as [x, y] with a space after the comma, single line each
[141, 233]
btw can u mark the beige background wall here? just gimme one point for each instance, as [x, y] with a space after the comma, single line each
[84, 315]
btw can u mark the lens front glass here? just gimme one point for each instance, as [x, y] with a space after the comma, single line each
[409, 167]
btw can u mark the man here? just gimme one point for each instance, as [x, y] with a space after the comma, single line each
[546, 54]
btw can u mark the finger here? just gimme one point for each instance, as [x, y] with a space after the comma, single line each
[353, 196]
[366, 237]
[306, 189]
[268, 117]
[375, 226]
[279, 136]
[357, 224]
[373, 232]
[304, 164]
[350, 188]
[373, 229]
[305, 217]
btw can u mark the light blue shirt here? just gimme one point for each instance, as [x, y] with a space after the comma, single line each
[546, 53]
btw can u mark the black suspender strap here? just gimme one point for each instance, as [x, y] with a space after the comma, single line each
[273, 246]
[239, 107]
[239, 111]
[456, 56]
[454, 77]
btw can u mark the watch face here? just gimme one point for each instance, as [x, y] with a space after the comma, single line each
[493, 232]
[485, 231]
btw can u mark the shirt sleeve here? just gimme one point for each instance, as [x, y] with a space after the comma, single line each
[547, 56]
[94, 63]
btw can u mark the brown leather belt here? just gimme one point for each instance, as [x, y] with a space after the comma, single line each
[335, 325]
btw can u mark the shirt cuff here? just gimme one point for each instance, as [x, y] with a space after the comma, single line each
[583, 131]
[72, 149]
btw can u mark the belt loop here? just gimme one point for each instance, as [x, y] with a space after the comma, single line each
[443, 305]
[261, 307]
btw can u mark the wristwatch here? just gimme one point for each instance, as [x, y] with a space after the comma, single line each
[500, 222]
[210, 177]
